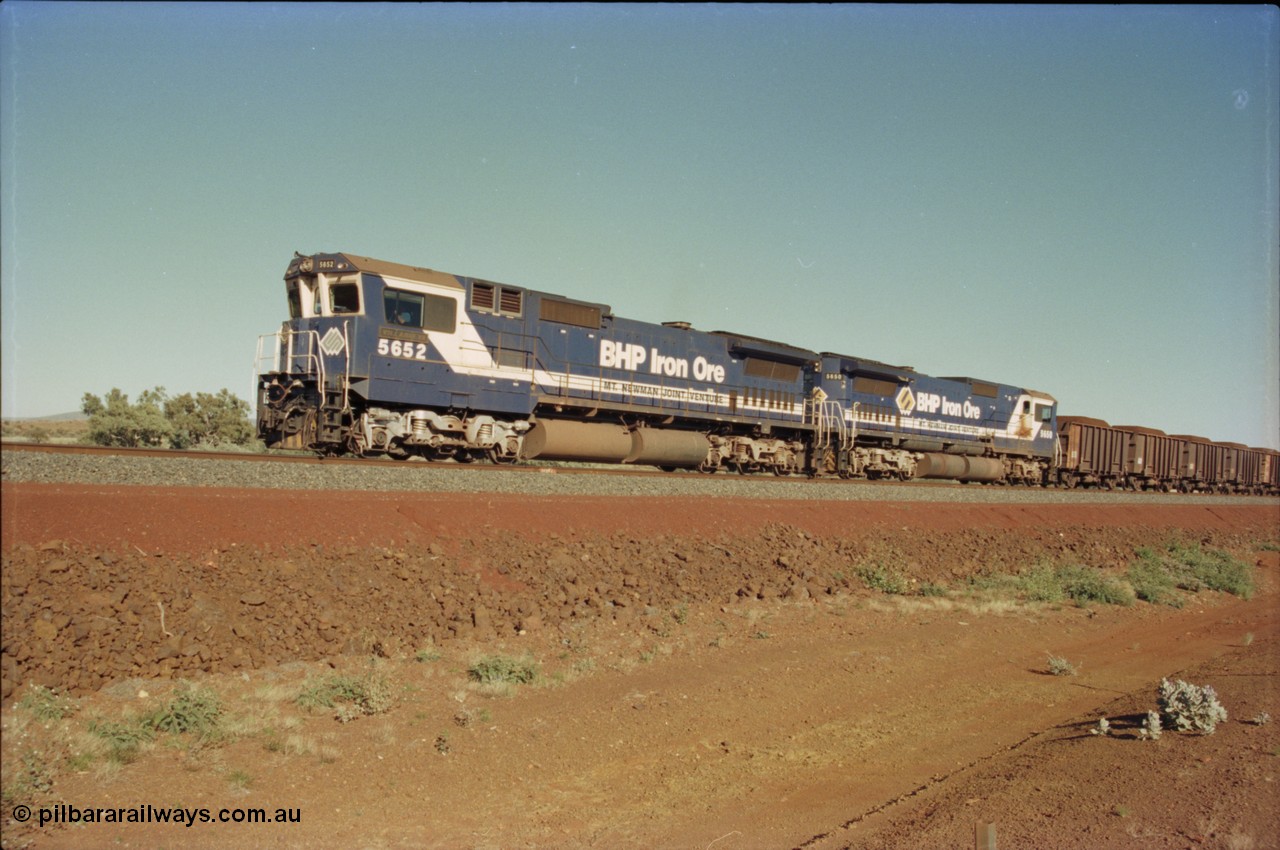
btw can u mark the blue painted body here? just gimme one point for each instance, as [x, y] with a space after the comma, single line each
[514, 364]
[918, 412]
[422, 339]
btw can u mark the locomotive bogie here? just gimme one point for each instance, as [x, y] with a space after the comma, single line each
[1027, 471]
[430, 434]
[881, 463]
[748, 454]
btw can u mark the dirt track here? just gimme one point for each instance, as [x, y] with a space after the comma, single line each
[714, 672]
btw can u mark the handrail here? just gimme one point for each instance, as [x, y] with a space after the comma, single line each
[346, 373]
[287, 343]
[828, 418]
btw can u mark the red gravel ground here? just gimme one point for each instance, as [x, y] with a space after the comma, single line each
[711, 673]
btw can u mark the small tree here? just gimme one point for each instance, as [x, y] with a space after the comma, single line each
[113, 421]
[156, 419]
[208, 418]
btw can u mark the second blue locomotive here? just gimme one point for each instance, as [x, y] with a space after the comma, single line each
[384, 358]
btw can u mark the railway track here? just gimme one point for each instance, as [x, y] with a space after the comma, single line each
[165, 467]
[532, 467]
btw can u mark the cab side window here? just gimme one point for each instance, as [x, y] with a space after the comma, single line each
[415, 310]
[344, 298]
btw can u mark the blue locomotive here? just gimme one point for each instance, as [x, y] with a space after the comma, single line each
[379, 358]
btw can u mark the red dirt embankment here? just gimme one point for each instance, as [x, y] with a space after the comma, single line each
[113, 582]
[725, 678]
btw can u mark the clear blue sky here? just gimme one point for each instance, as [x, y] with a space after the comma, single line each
[1080, 200]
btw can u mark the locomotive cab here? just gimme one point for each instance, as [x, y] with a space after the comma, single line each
[377, 357]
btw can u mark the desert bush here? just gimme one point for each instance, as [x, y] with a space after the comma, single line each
[208, 420]
[501, 669]
[1085, 585]
[123, 738]
[877, 576]
[1188, 707]
[46, 704]
[113, 421]
[1213, 569]
[1152, 581]
[1040, 584]
[192, 709]
[157, 419]
[34, 775]
[347, 695]
[1156, 574]
[1048, 583]
[1059, 666]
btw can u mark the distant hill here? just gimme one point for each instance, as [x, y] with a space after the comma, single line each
[63, 428]
[74, 416]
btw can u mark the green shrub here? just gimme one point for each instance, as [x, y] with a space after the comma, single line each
[35, 775]
[123, 738]
[1085, 585]
[113, 421]
[46, 704]
[195, 710]
[1213, 569]
[500, 669]
[157, 419]
[1041, 584]
[1059, 666]
[1047, 583]
[1152, 581]
[885, 579]
[1190, 707]
[349, 696]
[208, 420]
[1155, 575]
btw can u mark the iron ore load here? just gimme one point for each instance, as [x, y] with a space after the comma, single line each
[379, 358]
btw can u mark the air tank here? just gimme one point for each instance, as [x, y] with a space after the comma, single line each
[658, 447]
[588, 442]
[959, 467]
